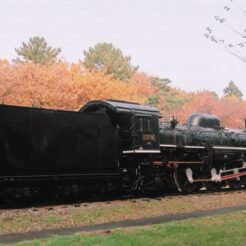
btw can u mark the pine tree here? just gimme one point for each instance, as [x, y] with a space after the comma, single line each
[107, 58]
[38, 51]
[233, 90]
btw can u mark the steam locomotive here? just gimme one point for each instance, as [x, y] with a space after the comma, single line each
[114, 147]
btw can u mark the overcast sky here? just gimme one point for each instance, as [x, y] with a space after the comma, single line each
[164, 37]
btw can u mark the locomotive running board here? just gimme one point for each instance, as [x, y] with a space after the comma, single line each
[229, 148]
[181, 146]
[221, 148]
[141, 151]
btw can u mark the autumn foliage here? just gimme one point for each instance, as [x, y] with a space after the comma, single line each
[69, 86]
[231, 110]
[59, 85]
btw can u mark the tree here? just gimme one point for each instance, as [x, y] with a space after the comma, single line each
[230, 110]
[38, 51]
[110, 60]
[228, 30]
[143, 84]
[201, 101]
[59, 85]
[233, 90]
[161, 90]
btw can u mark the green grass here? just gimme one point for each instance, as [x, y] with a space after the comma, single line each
[217, 230]
[24, 220]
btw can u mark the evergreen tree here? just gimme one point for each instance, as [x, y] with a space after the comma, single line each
[109, 59]
[38, 51]
[163, 90]
[233, 90]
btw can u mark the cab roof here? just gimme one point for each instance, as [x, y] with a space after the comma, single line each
[117, 106]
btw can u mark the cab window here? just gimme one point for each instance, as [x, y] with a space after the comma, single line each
[143, 124]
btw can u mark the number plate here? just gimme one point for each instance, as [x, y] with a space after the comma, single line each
[149, 137]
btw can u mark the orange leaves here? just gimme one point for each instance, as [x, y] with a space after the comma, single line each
[101, 86]
[143, 84]
[3, 62]
[231, 110]
[59, 85]
[202, 102]
[69, 86]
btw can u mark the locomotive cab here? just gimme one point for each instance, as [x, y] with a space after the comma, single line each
[137, 125]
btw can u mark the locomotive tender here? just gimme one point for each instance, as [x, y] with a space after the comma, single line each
[114, 146]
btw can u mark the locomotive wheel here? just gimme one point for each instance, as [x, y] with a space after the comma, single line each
[7, 195]
[67, 193]
[182, 181]
[20, 195]
[212, 186]
[234, 184]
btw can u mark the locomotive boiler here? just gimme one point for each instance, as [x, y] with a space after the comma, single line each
[203, 153]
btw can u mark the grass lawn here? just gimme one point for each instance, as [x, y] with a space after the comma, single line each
[34, 219]
[223, 230]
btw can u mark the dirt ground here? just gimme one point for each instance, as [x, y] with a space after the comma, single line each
[64, 216]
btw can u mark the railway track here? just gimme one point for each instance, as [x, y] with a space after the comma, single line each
[23, 204]
[92, 215]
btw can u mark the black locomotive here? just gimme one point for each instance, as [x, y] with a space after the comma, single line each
[203, 153]
[114, 146]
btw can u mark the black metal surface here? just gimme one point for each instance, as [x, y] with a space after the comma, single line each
[40, 141]
[108, 145]
[203, 120]
[211, 135]
[118, 106]
[54, 143]
[138, 125]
